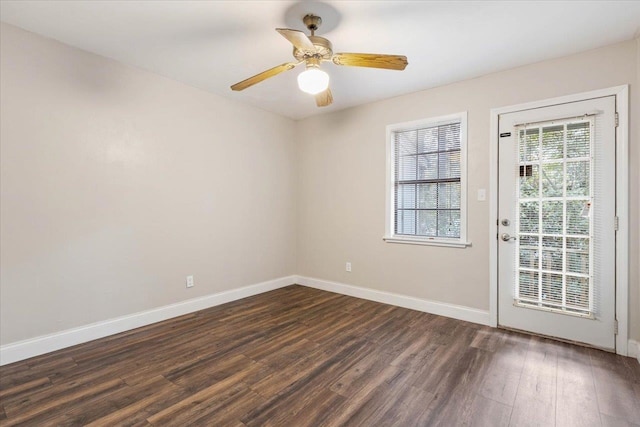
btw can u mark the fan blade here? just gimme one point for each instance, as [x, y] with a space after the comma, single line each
[324, 99]
[373, 60]
[298, 39]
[264, 75]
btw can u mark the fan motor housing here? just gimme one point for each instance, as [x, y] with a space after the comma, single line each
[324, 49]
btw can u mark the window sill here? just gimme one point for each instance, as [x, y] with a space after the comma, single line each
[426, 242]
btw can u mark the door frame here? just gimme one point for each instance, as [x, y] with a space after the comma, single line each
[622, 201]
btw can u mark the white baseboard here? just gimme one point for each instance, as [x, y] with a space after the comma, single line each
[442, 309]
[21, 350]
[633, 349]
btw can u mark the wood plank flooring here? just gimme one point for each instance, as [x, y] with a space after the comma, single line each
[302, 357]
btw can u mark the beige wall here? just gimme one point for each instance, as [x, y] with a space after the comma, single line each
[341, 190]
[118, 183]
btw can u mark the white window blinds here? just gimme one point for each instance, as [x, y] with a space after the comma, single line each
[427, 181]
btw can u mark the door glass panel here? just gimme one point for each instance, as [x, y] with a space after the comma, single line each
[529, 257]
[578, 179]
[552, 179]
[552, 217]
[578, 217]
[578, 261]
[529, 146]
[577, 292]
[552, 260]
[527, 241]
[552, 142]
[529, 215]
[551, 289]
[578, 140]
[555, 223]
[552, 242]
[529, 285]
[529, 184]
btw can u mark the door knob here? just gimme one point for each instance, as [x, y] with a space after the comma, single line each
[506, 237]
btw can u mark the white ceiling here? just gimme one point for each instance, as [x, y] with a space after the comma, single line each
[213, 44]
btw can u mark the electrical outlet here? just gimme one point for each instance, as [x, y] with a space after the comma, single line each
[190, 282]
[348, 267]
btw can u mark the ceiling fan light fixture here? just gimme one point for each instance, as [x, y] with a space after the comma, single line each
[314, 50]
[313, 80]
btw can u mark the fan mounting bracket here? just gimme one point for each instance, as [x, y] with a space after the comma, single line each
[312, 22]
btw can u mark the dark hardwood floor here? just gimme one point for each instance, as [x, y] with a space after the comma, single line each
[303, 357]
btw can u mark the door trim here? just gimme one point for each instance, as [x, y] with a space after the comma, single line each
[622, 201]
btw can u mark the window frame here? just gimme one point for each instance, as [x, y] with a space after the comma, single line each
[390, 235]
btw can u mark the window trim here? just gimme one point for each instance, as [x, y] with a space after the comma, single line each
[390, 236]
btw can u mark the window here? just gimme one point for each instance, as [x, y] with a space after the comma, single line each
[426, 182]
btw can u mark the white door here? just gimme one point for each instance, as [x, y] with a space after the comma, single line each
[556, 230]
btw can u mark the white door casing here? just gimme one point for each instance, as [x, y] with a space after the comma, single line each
[558, 277]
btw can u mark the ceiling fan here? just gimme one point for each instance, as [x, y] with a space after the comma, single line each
[313, 50]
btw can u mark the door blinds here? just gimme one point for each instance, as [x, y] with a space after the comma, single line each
[555, 205]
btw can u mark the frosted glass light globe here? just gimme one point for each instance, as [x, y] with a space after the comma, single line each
[313, 81]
